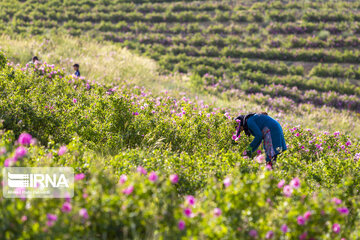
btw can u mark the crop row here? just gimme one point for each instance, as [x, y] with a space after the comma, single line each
[270, 94]
[218, 67]
[213, 37]
[305, 55]
[259, 73]
[129, 11]
[113, 20]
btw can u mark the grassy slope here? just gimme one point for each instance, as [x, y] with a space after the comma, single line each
[109, 63]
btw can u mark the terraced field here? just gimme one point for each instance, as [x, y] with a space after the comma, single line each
[296, 47]
[162, 161]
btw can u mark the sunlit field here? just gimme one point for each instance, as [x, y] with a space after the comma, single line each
[148, 128]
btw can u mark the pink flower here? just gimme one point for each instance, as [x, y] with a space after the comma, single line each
[336, 201]
[141, 170]
[79, 176]
[253, 233]
[348, 143]
[297, 134]
[135, 113]
[123, 179]
[20, 152]
[174, 178]
[74, 100]
[343, 210]
[2, 151]
[269, 235]
[234, 137]
[217, 212]
[66, 207]
[23, 218]
[268, 166]
[9, 162]
[303, 236]
[287, 190]
[67, 197]
[336, 228]
[188, 212]
[128, 190]
[62, 150]
[284, 228]
[295, 183]
[300, 220]
[190, 200]
[281, 183]
[181, 225]
[153, 177]
[260, 158]
[307, 215]
[227, 182]
[24, 139]
[51, 219]
[83, 213]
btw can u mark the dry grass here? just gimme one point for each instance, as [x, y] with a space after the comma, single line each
[102, 62]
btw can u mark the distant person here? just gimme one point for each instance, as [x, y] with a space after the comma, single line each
[34, 61]
[263, 128]
[76, 69]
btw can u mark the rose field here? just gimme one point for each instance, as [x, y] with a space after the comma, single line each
[149, 126]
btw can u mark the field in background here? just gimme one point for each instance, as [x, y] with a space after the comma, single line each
[149, 130]
[297, 60]
[294, 52]
[109, 63]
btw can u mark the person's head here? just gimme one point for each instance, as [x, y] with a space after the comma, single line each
[239, 124]
[34, 59]
[76, 66]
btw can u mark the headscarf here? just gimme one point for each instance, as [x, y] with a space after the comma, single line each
[243, 123]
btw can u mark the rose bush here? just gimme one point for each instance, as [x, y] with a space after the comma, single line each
[153, 166]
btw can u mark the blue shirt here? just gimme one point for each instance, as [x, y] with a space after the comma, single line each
[77, 73]
[257, 123]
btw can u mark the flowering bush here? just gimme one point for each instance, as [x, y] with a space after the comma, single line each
[153, 166]
[161, 166]
[251, 201]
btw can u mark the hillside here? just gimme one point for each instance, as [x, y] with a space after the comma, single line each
[149, 126]
[293, 58]
[105, 62]
[112, 132]
[294, 41]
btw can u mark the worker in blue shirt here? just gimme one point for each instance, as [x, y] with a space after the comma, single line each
[76, 69]
[264, 129]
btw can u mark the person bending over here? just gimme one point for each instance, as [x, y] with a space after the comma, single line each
[34, 61]
[265, 129]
